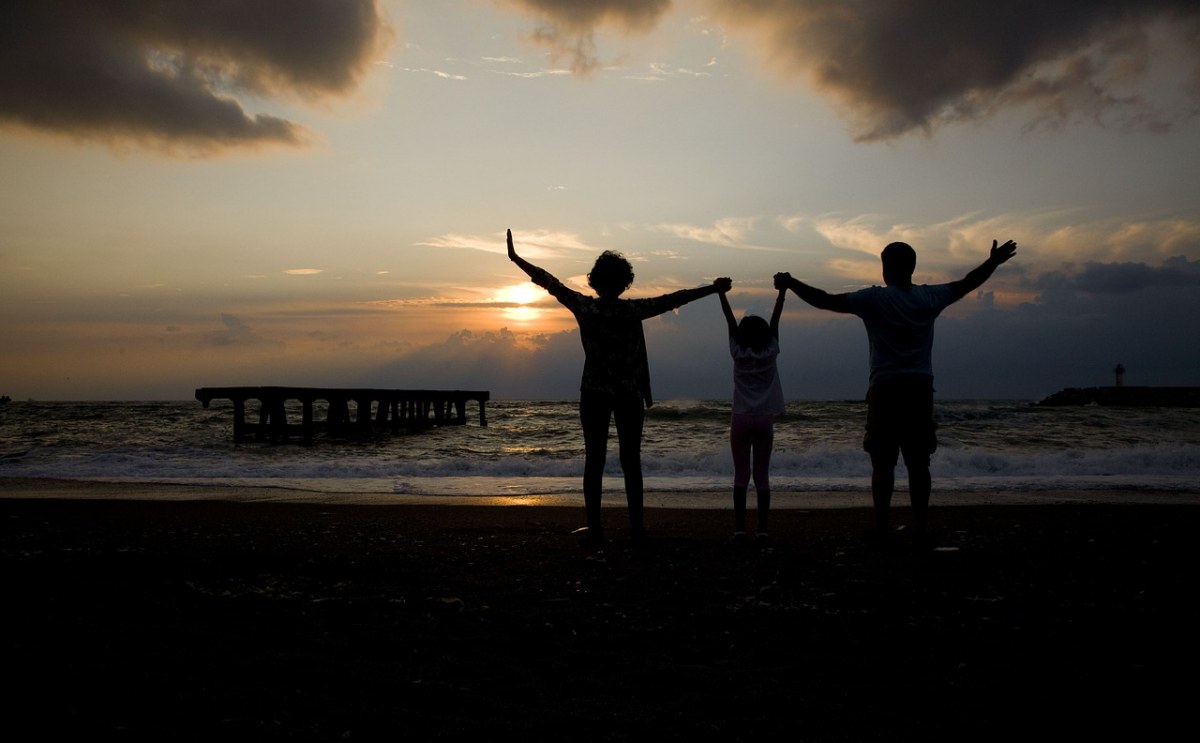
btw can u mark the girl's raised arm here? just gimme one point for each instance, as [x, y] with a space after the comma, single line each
[729, 318]
[777, 312]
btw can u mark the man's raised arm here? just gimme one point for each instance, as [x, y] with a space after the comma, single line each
[976, 277]
[818, 298]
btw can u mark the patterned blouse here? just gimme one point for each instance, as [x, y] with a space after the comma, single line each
[614, 346]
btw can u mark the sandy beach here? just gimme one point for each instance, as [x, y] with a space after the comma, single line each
[151, 612]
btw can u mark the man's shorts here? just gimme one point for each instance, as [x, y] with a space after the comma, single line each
[900, 419]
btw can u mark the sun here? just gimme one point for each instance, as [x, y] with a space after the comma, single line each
[521, 296]
[526, 293]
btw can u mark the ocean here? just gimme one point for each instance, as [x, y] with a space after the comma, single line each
[532, 448]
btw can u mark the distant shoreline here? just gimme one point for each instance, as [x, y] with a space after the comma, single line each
[1163, 397]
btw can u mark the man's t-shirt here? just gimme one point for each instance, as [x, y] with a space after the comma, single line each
[899, 322]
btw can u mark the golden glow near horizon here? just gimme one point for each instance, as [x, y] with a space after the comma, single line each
[335, 214]
[520, 295]
[526, 293]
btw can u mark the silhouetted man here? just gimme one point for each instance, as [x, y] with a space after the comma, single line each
[899, 318]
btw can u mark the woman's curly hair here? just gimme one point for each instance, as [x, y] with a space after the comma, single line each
[611, 275]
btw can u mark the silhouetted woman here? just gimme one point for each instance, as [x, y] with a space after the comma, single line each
[757, 400]
[616, 374]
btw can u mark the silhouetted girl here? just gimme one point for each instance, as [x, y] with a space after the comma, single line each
[757, 400]
[616, 374]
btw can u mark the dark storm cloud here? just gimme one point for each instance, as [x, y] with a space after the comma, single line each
[1123, 278]
[569, 25]
[1083, 321]
[163, 71]
[899, 67]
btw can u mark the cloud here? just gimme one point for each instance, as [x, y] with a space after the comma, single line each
[164, 72]
[533, 75]
[947, 248]
[510, 365]
[729, 232]
[238, 333]
[897, 68]
[944, 249]
[1127, 240]
[569, 26]
[1123, 278]
[659, 71]
[1082, 321]
[530, 244]
[436, 73]
[903, 67]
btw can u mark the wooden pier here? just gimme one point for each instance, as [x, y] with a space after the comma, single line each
[373, 410]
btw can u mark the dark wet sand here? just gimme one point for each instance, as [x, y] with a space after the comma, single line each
[213, 620]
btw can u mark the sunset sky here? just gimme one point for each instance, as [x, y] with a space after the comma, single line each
[316, 193]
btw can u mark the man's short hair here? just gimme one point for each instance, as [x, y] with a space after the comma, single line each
[899, 259]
